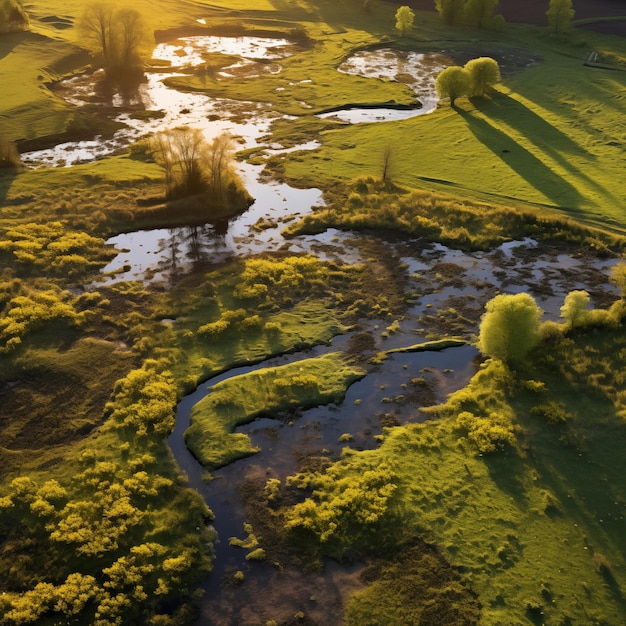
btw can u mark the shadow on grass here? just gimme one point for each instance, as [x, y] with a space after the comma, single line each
[549, 139]
[528, 166]
[505, 470]
[7, 175]
[10, 41]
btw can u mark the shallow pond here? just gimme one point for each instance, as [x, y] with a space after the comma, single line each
[417, 70]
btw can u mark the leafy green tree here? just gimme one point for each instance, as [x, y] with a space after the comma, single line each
[450, 11]
[480, 13]
[404, 20]
[575, 309]
[483, 73]
[509, 328]
[560, 14]
[453, 82]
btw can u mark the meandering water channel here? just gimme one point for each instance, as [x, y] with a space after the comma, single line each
[441, 279]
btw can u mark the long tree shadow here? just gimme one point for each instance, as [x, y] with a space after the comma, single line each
[549, 139]
[11, 40]
[520, 160]
[6, 180]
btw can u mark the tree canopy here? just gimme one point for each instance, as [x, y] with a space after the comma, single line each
[481, 13]
[453, 82]
[509, 328]
[450, 11]
[404, 20]
[12, 16]
[560, 14]
[483, 74]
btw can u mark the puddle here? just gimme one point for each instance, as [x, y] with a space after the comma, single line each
[417, 70]
[192, 51]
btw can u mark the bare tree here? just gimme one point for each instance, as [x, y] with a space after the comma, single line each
[119, 35]
[96, 24]
[387, 163]
[192, 165]
[220, 158]
[180, 152]
[131, 37]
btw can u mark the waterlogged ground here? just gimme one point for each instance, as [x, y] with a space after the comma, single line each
[447, 291]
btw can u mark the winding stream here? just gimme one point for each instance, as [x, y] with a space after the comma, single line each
[440, 278]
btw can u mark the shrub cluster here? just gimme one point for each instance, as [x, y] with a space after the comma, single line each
[12, 16]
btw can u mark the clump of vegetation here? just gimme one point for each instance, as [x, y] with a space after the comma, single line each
[413, 586]
[13, 17]
[346, 513]
[368, 203]
[194, 167]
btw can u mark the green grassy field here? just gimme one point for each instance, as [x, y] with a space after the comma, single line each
[537, 140]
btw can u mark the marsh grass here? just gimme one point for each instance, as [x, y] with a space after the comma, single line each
[370, 204]
[266, 392]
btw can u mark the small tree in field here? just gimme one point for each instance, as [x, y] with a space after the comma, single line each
[387, 163]
[450, 11]
[453, 82]
[404, 20]
[483, 73]
[119, 36]
[509, 328]
[560, 14]
[481, 13]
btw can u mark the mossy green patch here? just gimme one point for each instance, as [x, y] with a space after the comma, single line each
[268, 391]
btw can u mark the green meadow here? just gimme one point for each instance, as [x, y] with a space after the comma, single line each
[505, 507]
